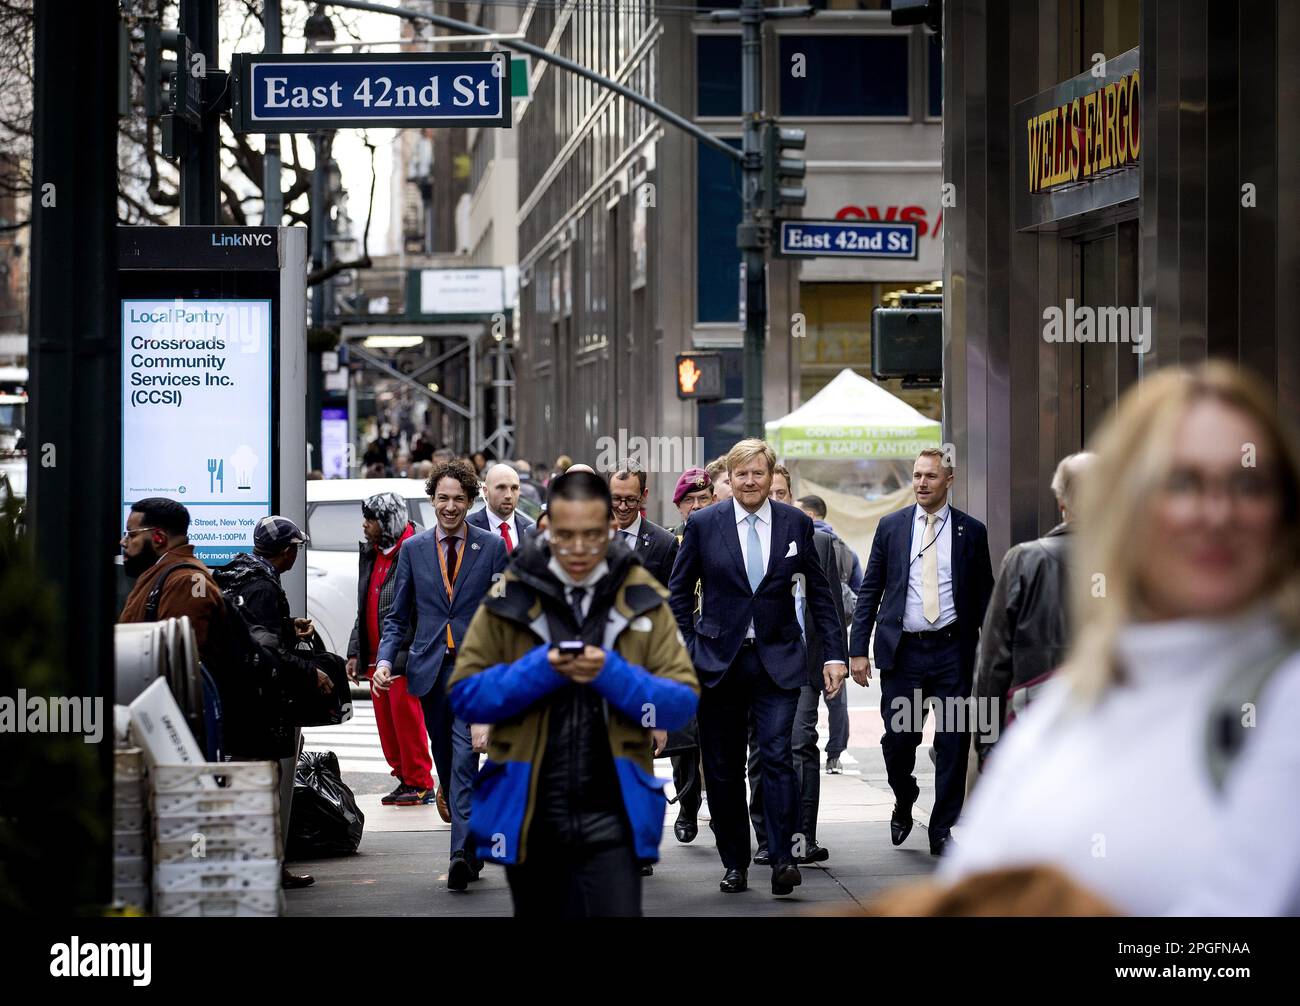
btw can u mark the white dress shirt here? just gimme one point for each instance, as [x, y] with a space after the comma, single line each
[634, 529]
[764, 528]
[597, 574]
[1119, 796]
[914, 619]
[495, 522]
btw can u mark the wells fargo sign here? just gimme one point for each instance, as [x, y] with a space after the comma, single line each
[1077, 147]
[1096, 132]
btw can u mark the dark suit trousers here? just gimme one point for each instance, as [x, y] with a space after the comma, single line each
[807, 772]
[723, 715]
[687, 783]
[838, 711]
[576, 882]
[453, 753]
[932, 667]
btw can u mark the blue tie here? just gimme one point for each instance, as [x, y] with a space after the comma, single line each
[754, 556]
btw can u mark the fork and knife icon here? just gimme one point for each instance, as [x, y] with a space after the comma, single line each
[217, 471]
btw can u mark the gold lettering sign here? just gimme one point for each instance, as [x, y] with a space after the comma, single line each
[1100, 131]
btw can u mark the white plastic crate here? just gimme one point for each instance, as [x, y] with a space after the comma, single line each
[128, 765]
[130, 870]
[130, 817]
[200, 876]
[130, 843]
[244, 904]
[131, 894]
[228, 776]
[216, 827]
[200, 846]
[132, 793]
[212, 801]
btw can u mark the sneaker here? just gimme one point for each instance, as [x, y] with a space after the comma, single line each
[833, 767]
[393, 797]
[413, 797]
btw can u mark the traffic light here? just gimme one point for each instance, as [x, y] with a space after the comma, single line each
[172, 88]
[907, 343]
[699, 376]
[782, 173]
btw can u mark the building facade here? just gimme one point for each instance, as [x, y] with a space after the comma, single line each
[1044, 105]
[627, 226]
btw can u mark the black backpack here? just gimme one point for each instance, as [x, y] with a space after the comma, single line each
[253, 724]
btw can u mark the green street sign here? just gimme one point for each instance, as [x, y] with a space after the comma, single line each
[520, 69]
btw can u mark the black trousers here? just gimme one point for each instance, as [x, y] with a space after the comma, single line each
[724, 714]
[576, 882]
[688, 783]
[926, 668]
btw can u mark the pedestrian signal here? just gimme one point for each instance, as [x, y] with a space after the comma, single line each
[699, 376]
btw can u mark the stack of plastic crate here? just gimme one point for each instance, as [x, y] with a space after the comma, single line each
[130, 830]
[216, 847]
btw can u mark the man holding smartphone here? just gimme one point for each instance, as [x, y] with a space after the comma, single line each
[574, 658]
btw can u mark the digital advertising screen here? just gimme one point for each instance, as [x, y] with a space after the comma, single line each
[198, 415]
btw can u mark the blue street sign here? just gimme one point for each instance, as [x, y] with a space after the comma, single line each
[846, 239]
[305, 92]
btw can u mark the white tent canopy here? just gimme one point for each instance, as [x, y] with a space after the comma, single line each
[852, 417]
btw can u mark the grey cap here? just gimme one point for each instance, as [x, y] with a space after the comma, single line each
[275, 534]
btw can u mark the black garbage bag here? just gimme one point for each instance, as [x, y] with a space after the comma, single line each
[325, 819]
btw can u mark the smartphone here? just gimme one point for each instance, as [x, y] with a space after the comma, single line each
[570, 647]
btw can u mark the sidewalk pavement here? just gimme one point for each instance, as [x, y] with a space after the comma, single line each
[400, 868]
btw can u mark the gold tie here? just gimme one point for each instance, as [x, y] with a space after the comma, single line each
[930, 571]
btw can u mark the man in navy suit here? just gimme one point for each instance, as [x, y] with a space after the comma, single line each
[925, 590]
[655, 546]
[751, 555]
[442, 576]
[500, 516]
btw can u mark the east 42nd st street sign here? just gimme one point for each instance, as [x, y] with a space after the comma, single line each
[305, 92]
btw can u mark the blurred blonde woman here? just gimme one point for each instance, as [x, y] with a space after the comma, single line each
[1159, 771]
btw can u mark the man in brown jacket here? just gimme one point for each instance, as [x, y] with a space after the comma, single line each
[155, 539]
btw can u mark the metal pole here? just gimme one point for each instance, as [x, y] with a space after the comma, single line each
[754, 257]
[76, 434]
[200, 163]
[272, 196]
[319, 189]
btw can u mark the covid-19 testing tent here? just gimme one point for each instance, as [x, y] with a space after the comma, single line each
[853, 444]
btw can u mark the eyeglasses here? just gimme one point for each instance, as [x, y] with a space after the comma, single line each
[1185, 485]
[578, 543]
[625, 502]
[126, 535]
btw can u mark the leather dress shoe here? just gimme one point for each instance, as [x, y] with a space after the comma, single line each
[785, 878]
[942, 845]
[647, 870]
[900, 824]
[294, 881]
[686, 830]
[734, 881]
[815, 854]
[762, 858]
[459, 873]
[443, 811]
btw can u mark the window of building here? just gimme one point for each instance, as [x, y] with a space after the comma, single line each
[717, 70]
[844, 75]
[718, 213]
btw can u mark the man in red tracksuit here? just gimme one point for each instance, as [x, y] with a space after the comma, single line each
[398, 714]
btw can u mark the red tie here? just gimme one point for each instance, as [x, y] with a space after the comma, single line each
[505, 533]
